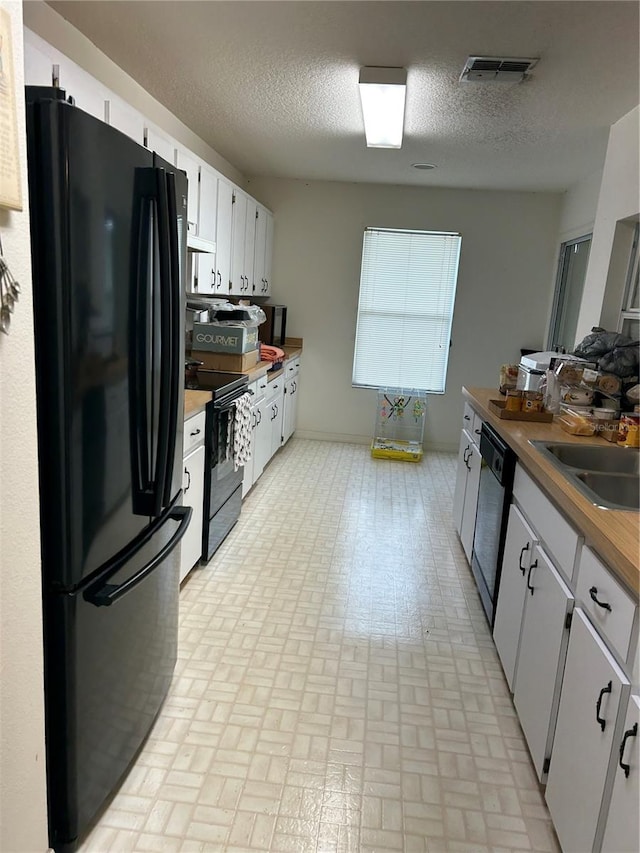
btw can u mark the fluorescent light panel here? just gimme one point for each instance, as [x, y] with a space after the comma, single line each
[382, 92]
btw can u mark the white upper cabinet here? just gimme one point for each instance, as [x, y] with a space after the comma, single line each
[224, 215]
[160, 142]
[238, 228]
[207, 211]
[263, 252]
[249, 245]
[191, 165]
[125, 118]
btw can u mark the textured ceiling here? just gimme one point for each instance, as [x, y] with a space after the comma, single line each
[272, 86]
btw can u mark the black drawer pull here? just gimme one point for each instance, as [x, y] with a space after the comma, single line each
[196, 432]
[632, 732]
[188, 473]
[522, 550]
[604, 690]
[593, 592]
[531, 568]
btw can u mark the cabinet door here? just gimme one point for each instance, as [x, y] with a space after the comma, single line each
[250, 246]
[518, 548]
[224, 213]
[592, 690]
[259, 253]
[238, 229]
[191, 165]
[474, 462]
[276, 415]
[129, 121]
[543, 647]
[163, 145]
[288, 401]
[461, 480]
[248, 475]
[263, 439]
[88, 94]
[207, 211]
[622, 829]
[268, 253]
[38, 64]
[193, 496]
[206, 278]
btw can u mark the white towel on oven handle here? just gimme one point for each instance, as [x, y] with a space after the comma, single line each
[242, 431]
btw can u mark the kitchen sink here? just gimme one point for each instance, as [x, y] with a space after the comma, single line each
[607, 476]
[612, 459]
[615, 489]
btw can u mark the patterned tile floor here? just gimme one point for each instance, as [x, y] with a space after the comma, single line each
[337, 687]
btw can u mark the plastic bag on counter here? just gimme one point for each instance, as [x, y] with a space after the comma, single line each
[227, 314]
[621, 360]
[600, 342]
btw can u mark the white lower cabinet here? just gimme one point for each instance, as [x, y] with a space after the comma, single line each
[593, 689]
[290, 402]
[193, 496]
[276, 412]
[518, 551]
[263, 430]
[465, 499]
[541, 656]
[622, 829]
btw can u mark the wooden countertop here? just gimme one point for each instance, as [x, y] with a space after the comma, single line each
[613, 534]
[195, 401]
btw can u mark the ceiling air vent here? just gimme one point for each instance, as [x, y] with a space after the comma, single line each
[495, 69]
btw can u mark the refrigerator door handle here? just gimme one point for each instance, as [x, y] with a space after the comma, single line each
[143, 494]
[165, 451]
[102, 594]
[174, 373]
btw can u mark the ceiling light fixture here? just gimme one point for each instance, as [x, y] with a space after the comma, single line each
[424, 166]
[382, 92]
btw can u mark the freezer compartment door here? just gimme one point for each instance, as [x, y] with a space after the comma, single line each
[107, 672]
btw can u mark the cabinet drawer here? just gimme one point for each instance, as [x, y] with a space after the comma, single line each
[476, 427]
[291, 368]
[467, 417]
[615, 614]
[559, 538]
[261, 386]
[193, 432]
[274, 389]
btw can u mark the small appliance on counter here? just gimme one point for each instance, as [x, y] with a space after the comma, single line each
[533, 367]
[273, 330]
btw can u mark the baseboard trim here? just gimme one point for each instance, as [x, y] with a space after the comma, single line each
[347, 438]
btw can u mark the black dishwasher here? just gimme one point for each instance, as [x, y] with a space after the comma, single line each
[494, 496]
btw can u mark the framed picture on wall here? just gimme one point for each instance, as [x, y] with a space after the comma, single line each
[10, 183]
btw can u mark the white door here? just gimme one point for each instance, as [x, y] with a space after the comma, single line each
[193, 496]
[163, 145]
[268, 253]
[205, 272]
[259, 252]
[518, 548]
[248, 475]
[250, 246]
[474, 463]
[543, 647]
[224, 213]
[461, 480]
[189, 164]
[125, 118]
[238, 229]
[208, 201]
[289, 402]
[276, 414]
[622, 829]
[263, 439]
[592, 689]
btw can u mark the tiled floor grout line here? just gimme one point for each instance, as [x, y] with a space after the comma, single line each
[337, 687]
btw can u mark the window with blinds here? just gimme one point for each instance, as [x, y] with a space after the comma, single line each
[407, 291]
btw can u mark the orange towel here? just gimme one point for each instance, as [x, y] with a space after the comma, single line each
[269, 353]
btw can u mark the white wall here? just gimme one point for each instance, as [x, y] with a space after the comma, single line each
[502, 303]
[579, 204]
[23, 813]
[618, 200]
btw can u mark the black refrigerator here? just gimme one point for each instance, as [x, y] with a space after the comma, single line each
[108, 236]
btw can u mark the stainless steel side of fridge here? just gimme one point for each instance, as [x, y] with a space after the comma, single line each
[108, 222]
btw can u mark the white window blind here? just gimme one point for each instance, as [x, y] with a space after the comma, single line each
[407, 291]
